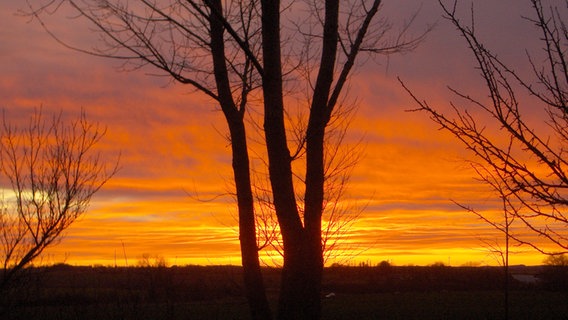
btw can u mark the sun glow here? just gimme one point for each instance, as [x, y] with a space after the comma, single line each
[173, 194]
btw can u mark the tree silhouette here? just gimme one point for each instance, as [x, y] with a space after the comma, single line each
[524, 164]
[338, 216]
[523, 161]
[53, 170]
[258, 54]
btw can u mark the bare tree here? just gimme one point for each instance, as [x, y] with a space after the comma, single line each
[523, 161]
[500, 248]
[232, 51]
[52, 170]
[338, 215]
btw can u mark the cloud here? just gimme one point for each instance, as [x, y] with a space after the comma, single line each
[173, 145]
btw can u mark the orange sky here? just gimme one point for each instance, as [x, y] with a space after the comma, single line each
[173, 150]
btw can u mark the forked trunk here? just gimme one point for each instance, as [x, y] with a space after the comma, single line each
[254, 284]
[299, 297]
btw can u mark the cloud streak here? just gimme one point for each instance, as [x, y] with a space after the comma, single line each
[174, 152]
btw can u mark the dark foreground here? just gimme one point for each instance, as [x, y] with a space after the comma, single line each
[193, 292]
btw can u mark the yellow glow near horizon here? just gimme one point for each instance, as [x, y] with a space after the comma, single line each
[172, 199]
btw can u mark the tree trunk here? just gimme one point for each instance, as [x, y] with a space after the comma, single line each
[254, 284]
[315, 160]
[303, 258]
[293, 300]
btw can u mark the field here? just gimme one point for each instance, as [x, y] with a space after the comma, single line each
[193, 292]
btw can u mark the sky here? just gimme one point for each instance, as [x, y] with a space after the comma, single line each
[169, 198]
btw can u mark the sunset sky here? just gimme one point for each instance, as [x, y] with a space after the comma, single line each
[174, 154]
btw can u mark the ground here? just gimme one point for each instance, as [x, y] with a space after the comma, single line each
[194, 292]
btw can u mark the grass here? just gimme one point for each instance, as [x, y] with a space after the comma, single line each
[447, 305]
[215, 309]
[183, 293]
[407, 305]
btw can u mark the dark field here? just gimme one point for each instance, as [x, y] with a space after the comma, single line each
[194, 292]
